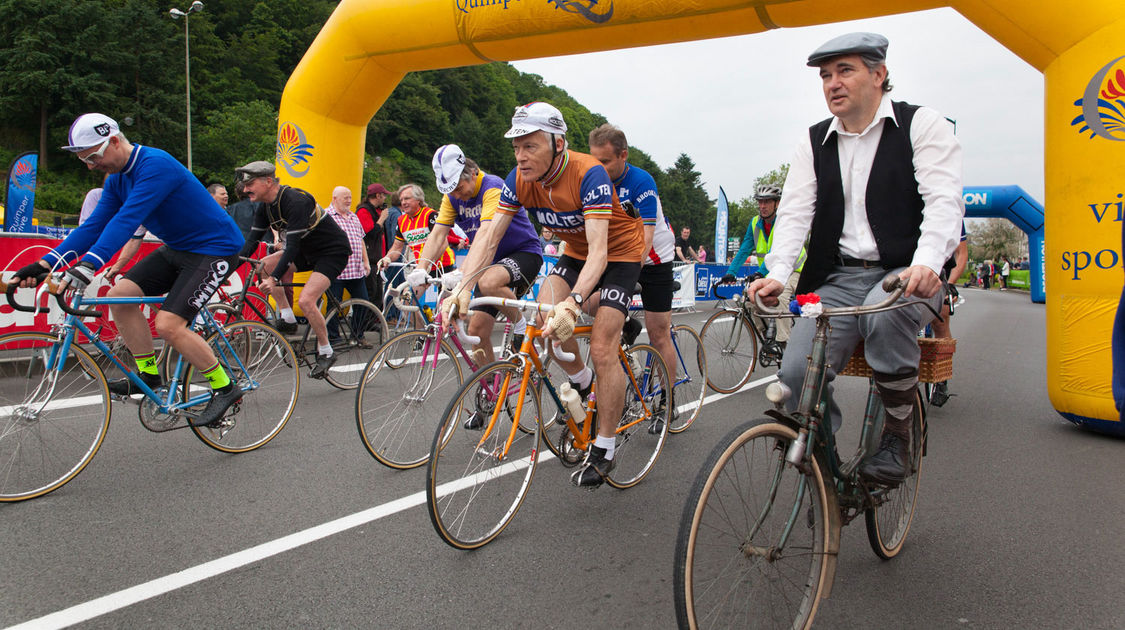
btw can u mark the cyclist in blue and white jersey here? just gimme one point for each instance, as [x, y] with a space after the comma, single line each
[201, 244]
[634, 185]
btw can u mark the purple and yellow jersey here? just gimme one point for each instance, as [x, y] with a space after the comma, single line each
[469, 215]
[579, 190]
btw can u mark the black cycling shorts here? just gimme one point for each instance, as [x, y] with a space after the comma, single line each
[188, 278]
[617, 282]
[522, 268]
[322, 254]
[657, 287]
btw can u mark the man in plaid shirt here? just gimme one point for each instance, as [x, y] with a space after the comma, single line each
[352, 278]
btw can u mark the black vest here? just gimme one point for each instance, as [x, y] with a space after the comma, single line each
[894, 205]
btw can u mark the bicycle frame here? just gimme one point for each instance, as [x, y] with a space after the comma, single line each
[73, 325]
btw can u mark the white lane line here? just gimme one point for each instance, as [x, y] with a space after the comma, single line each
[153, 588]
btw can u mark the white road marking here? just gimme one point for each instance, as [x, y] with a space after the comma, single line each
[159, 586]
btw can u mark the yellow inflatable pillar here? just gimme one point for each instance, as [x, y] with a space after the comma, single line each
[1085, 177]
[367, 46]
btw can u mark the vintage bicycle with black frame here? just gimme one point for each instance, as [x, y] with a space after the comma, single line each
[760, 531]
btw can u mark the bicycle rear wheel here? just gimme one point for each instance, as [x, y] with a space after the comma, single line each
[52, 423]
[474, 483]
[690, 381]
[731, 348]
[644, 419]
[356, 330]
[752, 547]
[889, 518]
[268, 375]
[401, 395]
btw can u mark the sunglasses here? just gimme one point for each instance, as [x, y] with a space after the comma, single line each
[93, 158]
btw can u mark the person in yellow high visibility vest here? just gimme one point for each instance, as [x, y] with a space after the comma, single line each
[758, 241]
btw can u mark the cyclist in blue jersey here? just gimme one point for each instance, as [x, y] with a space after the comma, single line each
[470, 202]
[201, 244]
[635, 186]
[759, 241]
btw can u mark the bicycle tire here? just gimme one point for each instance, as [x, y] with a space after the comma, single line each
[270, 379]
[890, 516]
[400, 395]
[361, 331]
[40, 451]
[731, 347]
[690, 382]
[643, 427]
[728, 571]
[471, 495]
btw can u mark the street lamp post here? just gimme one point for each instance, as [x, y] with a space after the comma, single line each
[176, 14]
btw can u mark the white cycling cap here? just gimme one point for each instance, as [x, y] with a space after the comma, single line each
[536, 116]
[449, 161]
[90, 130]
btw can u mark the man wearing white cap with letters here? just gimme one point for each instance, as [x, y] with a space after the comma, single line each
[510, 244]
[201, 244]
[877, 188]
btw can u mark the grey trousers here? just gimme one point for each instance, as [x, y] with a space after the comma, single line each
[890, 338]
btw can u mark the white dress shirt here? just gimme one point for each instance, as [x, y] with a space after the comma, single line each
[937, 167]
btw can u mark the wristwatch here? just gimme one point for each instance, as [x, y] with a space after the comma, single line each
[577, 298]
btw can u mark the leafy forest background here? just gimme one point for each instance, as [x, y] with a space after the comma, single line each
[125, 58]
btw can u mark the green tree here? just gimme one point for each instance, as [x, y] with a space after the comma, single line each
[685, 202]
[232, 136]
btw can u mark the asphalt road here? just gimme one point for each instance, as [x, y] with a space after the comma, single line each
[1019, 524]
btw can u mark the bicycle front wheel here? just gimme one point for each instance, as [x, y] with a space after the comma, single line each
[731, 348]
[356, 330]
[401, 395]
[752, 547]
[892, 512]
[52, 422]
[262, 364]
[478, 477]
[644, 418]
[690, 380]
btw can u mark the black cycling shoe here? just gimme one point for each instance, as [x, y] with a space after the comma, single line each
[284, 327]
[940, 395]
[630, 332]
[322, 364]
[594, 470]
[888, 465]
[221, 400]
[125, 387]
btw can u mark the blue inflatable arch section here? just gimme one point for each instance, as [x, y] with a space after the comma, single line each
[1015, 205]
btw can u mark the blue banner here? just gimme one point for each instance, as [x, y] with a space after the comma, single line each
[21, 193]
[721, 230]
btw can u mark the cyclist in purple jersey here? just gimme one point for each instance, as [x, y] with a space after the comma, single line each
[200, 250]
[470, 201]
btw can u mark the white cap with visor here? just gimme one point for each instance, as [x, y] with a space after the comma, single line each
[90, 130]
[536, 116]
[449, 161]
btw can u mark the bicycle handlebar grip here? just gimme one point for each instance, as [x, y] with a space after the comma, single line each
[74, 311]
[560, 354]
[10, 293]
[465, 337]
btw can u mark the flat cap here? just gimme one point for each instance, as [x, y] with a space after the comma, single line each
[260, 168]
[866, 44]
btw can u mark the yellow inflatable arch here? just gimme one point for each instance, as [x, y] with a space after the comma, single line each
[367, 47]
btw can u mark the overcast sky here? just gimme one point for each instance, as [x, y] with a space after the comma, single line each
[739, 105]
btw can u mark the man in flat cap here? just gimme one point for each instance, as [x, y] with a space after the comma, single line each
[311, 244]
[877, 188]
[201, 243]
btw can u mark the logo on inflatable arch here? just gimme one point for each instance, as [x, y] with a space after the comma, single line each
[23, 178]
[1102, 104]
[585, 8]
[293, 150]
